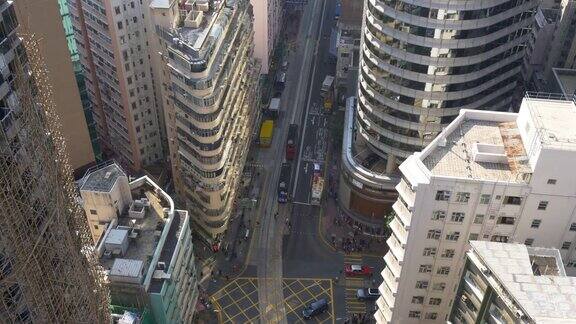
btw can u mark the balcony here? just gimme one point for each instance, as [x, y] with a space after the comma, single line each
[399, 231]
[473, 287]
[403, 213]
[387, 296]
[406, 192]
[392, 264]
[380, 319]
[396, 248]
[390, 280]
[383, 314]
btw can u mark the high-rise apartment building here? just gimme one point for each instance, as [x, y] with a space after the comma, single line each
[46, 273]
[562, 51]
[144, 244]
[267, 27]
[209, 83]
[43, 19]
[513, 283]
[490, 176]
[421, 63]
[113, 45]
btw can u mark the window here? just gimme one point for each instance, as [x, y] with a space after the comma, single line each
[117, 10]
[443, 195]
[506, 220]
[443, 270]
[571, 264]
[457, 217]
[417, 299]
[422, 284]
[485, 199]
[454, 236]
[435, 301]
[431, 316]
[462, 197]
[93, 212]
[448, 253]
[551, 181]
[414, 314]
[119, 25]
[479, 219]
[536, 223]
[529, 241]
[512, 200]
[425, 268]
[431, 251]
[438, 215]
[434, 234]
[573, 227]
[473, 237]
[566, 245]
[500, 238]
[439, 286]
[542, 205]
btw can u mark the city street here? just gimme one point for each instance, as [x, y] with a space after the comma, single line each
[289, 264]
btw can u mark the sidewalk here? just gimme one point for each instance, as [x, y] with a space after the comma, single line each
[338, 229]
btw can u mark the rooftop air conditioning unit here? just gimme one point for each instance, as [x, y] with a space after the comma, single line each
[161, 266]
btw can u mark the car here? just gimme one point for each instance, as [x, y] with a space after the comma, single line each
[367, 294]
[316, 168]
[353, 270]
[315, 308]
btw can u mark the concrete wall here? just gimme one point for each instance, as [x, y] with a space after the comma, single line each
[42, 18]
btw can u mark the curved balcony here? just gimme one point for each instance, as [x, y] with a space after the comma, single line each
[441, 61]
[438, 95]
[383, 147]
[432, 78]
[444, 43]
[390, 134]
[449, 24]
[457, 4]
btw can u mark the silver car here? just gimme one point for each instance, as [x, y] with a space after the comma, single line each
[367, 294]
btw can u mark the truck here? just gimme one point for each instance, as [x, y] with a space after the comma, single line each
[317, 189]
[327, 85]
[266, 132]
[291, 142]
[284, 182]
[274, 108]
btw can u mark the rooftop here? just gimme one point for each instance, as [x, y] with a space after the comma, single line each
[143, 236]
[542, 297]
[490, 146]
[102, 178]
[202, 27]
[454, 158]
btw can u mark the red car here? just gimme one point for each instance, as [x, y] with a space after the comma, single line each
[354, 270]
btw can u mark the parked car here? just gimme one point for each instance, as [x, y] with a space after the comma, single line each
[317, 307]
[367, 294]
[355, 270]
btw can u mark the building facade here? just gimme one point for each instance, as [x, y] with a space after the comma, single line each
[423, 62]
[348, 41]
[144, 244]
[562, 51]
[267, 27]
[113, 45]
[43, 19]
[512, 283]
[42, 229]
[488, 176]
[209, 82]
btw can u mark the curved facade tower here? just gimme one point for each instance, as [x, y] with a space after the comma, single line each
[423, 61]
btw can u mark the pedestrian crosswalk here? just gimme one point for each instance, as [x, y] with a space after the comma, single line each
[352, 284]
